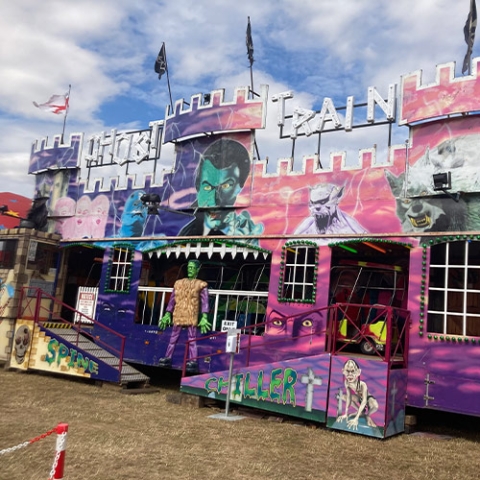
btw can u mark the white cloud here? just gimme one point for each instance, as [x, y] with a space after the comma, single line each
[106, 51]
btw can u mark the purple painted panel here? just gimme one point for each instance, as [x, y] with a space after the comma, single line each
[298, 386]
[397, 391]
[57, 156]
[448, 374]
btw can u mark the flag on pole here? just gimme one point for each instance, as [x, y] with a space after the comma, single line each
[57, 104]
[469, 32]
[249, 43]
[161, 62]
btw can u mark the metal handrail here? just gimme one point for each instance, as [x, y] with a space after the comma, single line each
[329, 332]
[30, 308]
[251, 341]
[155, 304]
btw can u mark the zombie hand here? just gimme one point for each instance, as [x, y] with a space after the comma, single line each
[165, 321]
[353, 424]
[341, 418]
[242, 224]
[204, 324]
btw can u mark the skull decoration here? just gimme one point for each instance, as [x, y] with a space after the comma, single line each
[22, 340]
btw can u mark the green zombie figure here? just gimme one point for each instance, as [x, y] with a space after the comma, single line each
[188, 302]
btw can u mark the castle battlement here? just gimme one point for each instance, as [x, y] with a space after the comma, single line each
[135, 181]
[200, 118]
[55, 156]
[337, 162]
[448, 95]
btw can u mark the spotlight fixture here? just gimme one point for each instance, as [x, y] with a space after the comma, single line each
[151, 201]
[443, 182]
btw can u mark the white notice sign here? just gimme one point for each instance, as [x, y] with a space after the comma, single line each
[228, 324]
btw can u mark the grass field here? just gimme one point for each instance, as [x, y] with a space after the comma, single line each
[114, 436]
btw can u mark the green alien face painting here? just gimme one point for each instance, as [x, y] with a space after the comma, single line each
[218, 187]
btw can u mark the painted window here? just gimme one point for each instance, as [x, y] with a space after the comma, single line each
[298, 272]
[454, 289]
[120, 270]
[8, 249]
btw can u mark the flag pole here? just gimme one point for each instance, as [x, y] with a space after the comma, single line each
[469, 33]
[168, 79]
[66, 111]
[249, 42]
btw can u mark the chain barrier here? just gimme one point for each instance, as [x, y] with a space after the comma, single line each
[26, 444]
[57, 468]
[12, 449]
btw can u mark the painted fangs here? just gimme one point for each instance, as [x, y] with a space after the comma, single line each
[421, 222]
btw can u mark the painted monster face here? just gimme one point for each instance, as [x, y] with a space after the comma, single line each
[217, 188]
[134, 215]
[323, 204]
[308, 325]
[351, 371]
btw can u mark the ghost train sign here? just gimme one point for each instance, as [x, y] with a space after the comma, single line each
[306, 122]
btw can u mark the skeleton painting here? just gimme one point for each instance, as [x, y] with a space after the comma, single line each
[21, 342]
[326, 217]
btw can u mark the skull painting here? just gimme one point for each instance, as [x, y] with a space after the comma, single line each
[22, 340]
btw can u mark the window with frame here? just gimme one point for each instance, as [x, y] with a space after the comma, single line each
[118, 279]
[42, 257]
[8, 251]
[454, 289]
[298, 273]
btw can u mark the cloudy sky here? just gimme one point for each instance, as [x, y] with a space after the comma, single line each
[106, 49]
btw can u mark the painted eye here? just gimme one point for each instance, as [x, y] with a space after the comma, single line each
[277, 323]
[307, 323]
[208, 188]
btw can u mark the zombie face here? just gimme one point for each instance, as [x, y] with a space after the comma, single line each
[192, 269]
[22, 340]
[323, 204]
[351, 371]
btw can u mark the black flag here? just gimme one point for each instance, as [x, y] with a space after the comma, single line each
[161, 62]
[469, 31]
[249, 43]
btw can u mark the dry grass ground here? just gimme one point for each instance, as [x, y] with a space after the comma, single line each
[113, 436]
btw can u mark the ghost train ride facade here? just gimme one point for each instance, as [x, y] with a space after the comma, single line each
[354, 289]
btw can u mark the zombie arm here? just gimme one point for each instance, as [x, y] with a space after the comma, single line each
[166, 320]
[348, 401]
[204, 325]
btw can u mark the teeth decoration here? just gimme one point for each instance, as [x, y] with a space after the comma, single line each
[209, 248]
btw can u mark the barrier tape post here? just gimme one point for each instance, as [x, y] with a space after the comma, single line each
[61, 429]
[59, 462]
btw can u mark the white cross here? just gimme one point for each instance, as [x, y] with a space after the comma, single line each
[310, 380]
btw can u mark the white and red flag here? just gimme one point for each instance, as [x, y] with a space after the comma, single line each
[57, 104]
